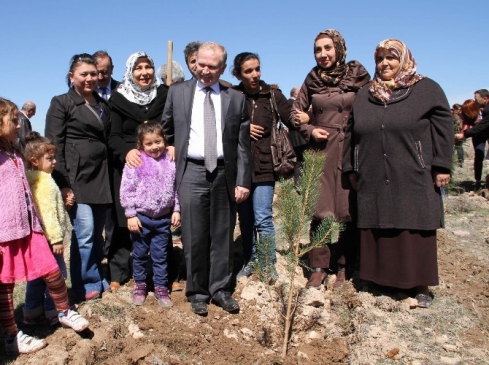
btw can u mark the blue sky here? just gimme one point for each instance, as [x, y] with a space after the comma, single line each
[447, 38]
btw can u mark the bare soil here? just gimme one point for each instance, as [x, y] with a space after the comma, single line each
[358, 324]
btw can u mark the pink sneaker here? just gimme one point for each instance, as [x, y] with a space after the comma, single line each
[139, 294]
[163, 297]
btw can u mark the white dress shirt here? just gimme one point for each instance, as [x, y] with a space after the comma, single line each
[196, 137]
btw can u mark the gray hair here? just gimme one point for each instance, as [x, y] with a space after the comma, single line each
[294, 90]
[213, 47]
[177, 74]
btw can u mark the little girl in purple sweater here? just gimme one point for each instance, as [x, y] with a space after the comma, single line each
[150, 201]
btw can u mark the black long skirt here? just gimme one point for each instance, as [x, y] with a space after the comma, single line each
[399, 258]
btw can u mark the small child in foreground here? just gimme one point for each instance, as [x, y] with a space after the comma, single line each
[25, 254]
[151, 206]
[39, 156]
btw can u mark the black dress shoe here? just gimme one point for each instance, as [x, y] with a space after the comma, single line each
[199, 307]
[227, 303]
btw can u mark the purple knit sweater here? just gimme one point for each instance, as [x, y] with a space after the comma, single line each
[150, 188]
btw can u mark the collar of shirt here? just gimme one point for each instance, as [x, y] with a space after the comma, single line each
[215, 87]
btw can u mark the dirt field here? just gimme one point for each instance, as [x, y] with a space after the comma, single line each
[358, 324]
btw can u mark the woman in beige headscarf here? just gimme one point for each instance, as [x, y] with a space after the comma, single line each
[330, 89]
[398, 153]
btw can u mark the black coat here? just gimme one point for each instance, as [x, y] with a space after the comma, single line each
[393, 150]
[81, 142]
[126, 116]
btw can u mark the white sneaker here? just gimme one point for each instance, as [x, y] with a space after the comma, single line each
[24, 344]
[71, 319]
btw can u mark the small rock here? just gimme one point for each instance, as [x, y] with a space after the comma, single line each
[230, 334]
[450, 360]
[314, 335]
[313, 298]
[461, 233]
[415, 362]
[449, 347]
[411, 302]
[246, 331]
[137, 335]
[302, 354]
[441, 339]
[133, 328]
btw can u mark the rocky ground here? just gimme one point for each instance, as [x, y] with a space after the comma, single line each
[357, 324]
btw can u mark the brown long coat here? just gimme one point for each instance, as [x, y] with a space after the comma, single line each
[331, 107]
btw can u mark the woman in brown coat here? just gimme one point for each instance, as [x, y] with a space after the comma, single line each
[330, 88]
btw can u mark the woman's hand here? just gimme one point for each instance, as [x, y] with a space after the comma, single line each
[256, 131]
[68, 197]
[170, 150]
[353, 181]
[241, 194]
[175, 219]
[299, 117]
[134, 224]
[440, 180]
[58, 248]
[319, 135]
[133, 158]
[459, 136]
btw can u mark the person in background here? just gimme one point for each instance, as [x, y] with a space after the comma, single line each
[398, 155]
[266, 104]
[190, 54]
[479, 132]
[470, 116]
[40, 159]
[140, 97]
[177, 74]
[78, 123]
[24, 252]
[106, 85]
[330, 88]
[458, 128]
[26, 113]
[211, 140]
[151, 206]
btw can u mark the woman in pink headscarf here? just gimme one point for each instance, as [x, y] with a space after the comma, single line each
[398, 153]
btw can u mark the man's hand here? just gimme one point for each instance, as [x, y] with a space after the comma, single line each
[441, 180]
[241, 194]
[171, 152]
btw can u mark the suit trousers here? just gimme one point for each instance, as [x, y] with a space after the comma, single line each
[208, 220]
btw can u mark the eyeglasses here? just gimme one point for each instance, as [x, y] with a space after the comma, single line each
[104, 72]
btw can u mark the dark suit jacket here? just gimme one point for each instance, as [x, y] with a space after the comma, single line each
[235, 132]
[25, 127]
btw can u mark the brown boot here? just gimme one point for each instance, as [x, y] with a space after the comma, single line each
[340, 277]
[316, 278]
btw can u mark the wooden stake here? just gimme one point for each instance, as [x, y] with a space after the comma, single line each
[169, 64]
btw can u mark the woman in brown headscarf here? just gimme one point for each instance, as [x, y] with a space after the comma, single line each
[330, 89]
[398, 153]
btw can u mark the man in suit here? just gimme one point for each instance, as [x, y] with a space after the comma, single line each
[106, 84]
[26, 113]
[294, 93]
[208, 125]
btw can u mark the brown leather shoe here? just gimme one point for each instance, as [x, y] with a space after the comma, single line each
[317, 278]
[340, 278]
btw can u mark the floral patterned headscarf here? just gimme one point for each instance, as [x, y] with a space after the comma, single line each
[335, 74]
[406, 75]
[130, 89]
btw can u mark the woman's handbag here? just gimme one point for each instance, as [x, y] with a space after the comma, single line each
[284, 158]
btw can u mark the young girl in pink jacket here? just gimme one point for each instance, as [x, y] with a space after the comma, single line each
[24, 252]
